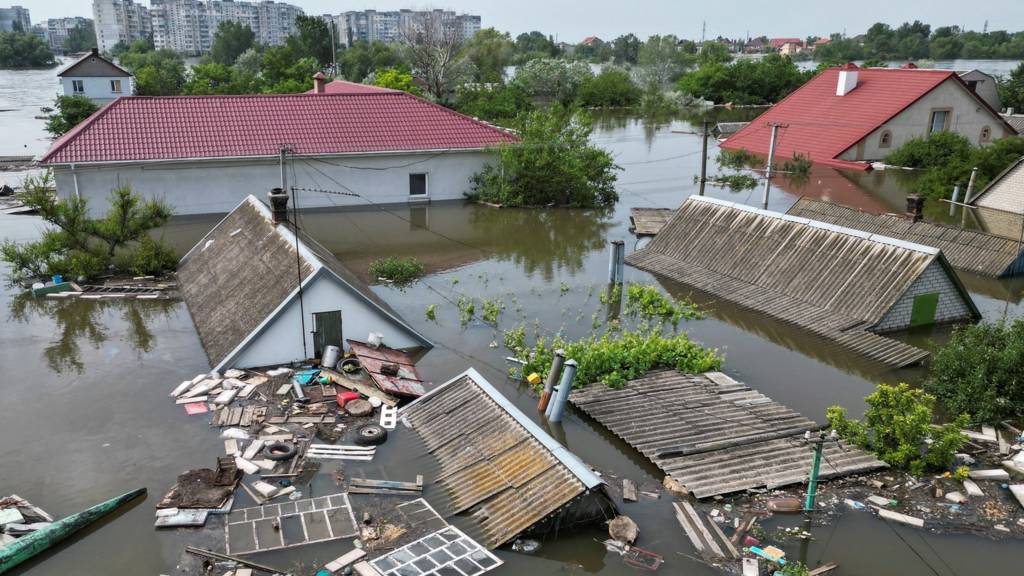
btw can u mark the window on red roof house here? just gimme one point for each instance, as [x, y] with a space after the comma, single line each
[939, 121]
[885, 140]
[417, 184]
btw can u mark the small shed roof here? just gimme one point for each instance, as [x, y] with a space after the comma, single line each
[494, 459]
[971, 250]
[244, 272]
[712, 434]
[836, 282]
[93, 65]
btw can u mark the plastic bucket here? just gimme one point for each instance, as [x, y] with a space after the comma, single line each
[331, 356]
[57, 278]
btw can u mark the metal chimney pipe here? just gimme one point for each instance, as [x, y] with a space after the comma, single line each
[549, 384]
[564, 388]
[616, 261]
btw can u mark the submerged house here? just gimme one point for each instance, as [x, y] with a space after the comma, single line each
[847, 117]
[96, 78]
[1000, 205]
[843, 285]
[498, 473]
[261, 294]
[204, 154]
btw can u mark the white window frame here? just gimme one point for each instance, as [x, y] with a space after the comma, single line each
[119, 84]
[78, 86]
[426, 186]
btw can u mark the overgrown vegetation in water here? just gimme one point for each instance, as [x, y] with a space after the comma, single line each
[980, 372]
[734, 182]
[398, 271]
[647, 302]
[467, 310]
[799, 165]
[947, 159]
[614, 359]
[491, 311]
[897, 427]
[431, 312]
[738, 159]
[78, 246]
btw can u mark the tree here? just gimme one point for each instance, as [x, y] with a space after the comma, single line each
[839, 50]
[490, 52]
[980, 372]
[612, 88]
[897, 426]
[552, 79]
[396, 79]
[433, 44]
[555, 163]
[361, 59]
[744, 81]
[157, 72]
[283, 73]
[626, 49]
[1011, 90]
[24, 50]
[70, 111]
[500, 103]
[249, 62]
[712, 52]
[76, 245]
[230, 40]
[312, 39]
[214, 78]
[80, 38]
[662, 59]
[533, 44]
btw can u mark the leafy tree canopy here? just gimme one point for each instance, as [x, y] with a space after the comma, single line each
[362, 58]
[230, 40]
[552, 79]
[80, 38]
[24, 50]
[70, 111]
[490, 52]
[745, 81]
[396, 79]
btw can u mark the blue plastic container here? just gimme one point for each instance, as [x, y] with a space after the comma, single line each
[57, 278]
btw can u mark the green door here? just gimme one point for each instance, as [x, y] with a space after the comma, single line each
[923, 312]
[326, 331]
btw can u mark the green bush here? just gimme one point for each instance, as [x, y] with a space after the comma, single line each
[70, 111]
[647, 302]
[395, 270]
[961, 473]
[897, 428]
[152, 257]
[738, 159]
[552, 79]
[23, 49]
[980, 372]
[745, 81]
[933, 151]
[554, 164]
[948, 159]
[498, 103]
[612, 88]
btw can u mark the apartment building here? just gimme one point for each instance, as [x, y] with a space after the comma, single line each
[119, 21]
[15, 17]
[57, 30]
[387, 26]
[188, 26]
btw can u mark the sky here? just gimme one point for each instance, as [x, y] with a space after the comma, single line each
[571, 21]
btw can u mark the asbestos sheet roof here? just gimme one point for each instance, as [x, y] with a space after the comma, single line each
[836, 282]
[244, 270]
[972, 250]
[494, 462]
[144, 128]
[820, 125]
[714, 435]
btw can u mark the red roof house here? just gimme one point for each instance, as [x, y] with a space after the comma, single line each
[848, 116]
[393, 143]
[777, 43]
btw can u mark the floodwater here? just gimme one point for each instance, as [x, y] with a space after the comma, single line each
[86, 414]
[993, 67]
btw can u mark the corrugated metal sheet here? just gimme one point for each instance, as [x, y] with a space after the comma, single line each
[713, 434]
[833, 281]
[494, 462]
[971, 250]
[648, 221]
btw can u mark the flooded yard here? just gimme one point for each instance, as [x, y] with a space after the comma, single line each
[86, 413]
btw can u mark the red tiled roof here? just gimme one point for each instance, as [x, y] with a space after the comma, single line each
[138, 128]
[821, 125]
[778, 42]
[346, 87]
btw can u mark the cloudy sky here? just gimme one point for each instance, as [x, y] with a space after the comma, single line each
[571, 21]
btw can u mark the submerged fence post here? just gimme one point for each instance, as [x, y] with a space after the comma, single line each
[956, 198]
[616, 262]
[549, 384]
[564, 388]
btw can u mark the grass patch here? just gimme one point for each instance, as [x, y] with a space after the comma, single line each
[397, 271]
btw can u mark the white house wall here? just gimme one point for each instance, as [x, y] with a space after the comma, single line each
[951, 307]
[1006, 194]
[97, 89]
[279, 343]
[215, 187]
[968, 118]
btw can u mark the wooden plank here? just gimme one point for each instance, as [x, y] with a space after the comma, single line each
[369, 483]
[364, 389]
[344, 560]
[1018, 492]
[247, 413]
[691, 532]
[382, 491]
[823, 569]
[322, 419]
[628, 490]
[235, 416]
[901, 518]
[688, 509]
[733, 553]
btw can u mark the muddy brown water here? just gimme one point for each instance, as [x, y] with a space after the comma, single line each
[86, 414]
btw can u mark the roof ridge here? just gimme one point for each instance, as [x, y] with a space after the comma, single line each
[82, 126]
[456, 113]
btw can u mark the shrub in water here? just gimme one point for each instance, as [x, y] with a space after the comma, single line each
[398, 271]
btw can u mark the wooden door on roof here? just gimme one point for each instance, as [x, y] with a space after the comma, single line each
[326, 331]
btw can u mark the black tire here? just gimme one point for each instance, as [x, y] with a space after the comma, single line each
[279, 451]
[371, 435]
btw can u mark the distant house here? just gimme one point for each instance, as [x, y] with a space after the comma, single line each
[496, 468]
[848, 116]
[349, 145]
[791, 48]
[255, 302]
[96, 78]
[778, 43]
[843, 285]
[591, 41]
[984, 85]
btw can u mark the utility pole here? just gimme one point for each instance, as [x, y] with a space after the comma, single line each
[812, 484]
[704, 158]
[284, 173]
[703, 30]
[768, 170]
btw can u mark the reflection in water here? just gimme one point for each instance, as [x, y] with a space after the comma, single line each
[77, 321]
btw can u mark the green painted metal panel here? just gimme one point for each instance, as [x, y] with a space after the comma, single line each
[328, 331]
[923, 312]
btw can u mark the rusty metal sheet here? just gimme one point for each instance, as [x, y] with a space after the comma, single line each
[408, 383]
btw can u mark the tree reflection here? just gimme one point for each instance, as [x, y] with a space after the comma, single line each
[77, 322]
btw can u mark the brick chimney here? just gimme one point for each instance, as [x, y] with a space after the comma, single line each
[915, 207]
[319, 82]
[278, 205]
[847, 79]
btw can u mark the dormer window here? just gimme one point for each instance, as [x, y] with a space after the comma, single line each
[885, 140]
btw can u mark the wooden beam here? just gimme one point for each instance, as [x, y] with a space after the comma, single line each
[362, 388]
[728, 545]
[691, 532]
[688, 509]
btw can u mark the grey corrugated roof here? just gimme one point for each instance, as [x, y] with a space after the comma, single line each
[972, 250]
[713, 434]
[244, 271]
[835, 282]
[493, 459]
[1016, 121]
